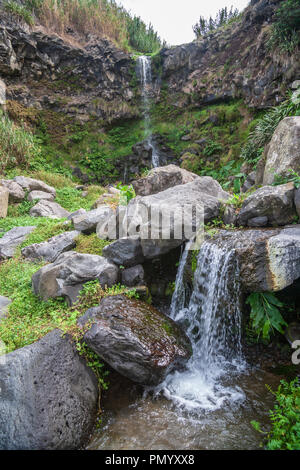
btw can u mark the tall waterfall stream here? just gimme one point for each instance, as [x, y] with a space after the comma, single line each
[211, 403]
[144, 70]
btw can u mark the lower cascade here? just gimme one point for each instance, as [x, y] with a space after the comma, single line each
[212, 321]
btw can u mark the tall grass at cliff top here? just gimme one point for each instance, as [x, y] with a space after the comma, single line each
[104, 18]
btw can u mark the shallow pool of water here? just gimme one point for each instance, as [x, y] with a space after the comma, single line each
[131, 421]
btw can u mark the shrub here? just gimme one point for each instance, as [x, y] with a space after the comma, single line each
[266, 127]
[18, 11]
[285, 30]
[17, 146]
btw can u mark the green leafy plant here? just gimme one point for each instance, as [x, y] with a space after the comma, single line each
[265, 128]
[127, 193]
[293, 178]
[265, 315]
[19, 11]
[285, 418]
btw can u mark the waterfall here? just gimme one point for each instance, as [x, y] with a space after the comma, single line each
[212, 321]
[144, 69]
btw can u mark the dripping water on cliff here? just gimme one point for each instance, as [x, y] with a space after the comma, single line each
[144, 68]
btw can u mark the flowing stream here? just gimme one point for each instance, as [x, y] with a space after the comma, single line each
[145, 73]
[211, 403]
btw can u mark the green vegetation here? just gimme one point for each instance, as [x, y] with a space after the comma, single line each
[218, 133]
[17, 145]
[19, 11]
[266, 126]
[292, 177]
[104, 18]
[285, 31]
[223, 17]
[90, 244]
[285, 418]
[127, 193]
[265, 315]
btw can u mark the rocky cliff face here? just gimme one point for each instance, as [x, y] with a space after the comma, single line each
[44, 72]
[232, 62]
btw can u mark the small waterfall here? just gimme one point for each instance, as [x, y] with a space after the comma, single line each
[144, 68]
[213, 323]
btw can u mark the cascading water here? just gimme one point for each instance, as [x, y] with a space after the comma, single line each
[144, 68]
[213, 323]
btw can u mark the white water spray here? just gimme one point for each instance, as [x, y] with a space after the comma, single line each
[144, 67]
[213, 323]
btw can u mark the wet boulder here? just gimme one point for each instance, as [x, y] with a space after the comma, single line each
[69, 272]
[284, 150]
[269, 259]
[135, 339]
[51, 209]
[51, 249]
[12, 239]
[48, 396]
[273, 203]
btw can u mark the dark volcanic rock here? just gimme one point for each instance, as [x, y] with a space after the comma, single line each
[48, 396]
[51, 249]
[231, 62]
[69, 272]
[269, 259]
[273, 203]
[12, 239]
[135, 339]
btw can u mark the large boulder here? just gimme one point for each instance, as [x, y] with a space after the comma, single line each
[31, 184]
[126, 251]
[269, 259]
[135, 339]
[51, 249]
[284, 150]
[48, 396]
[12, 239]
[162, 178]
[51, 209]
[3, 201]
[274, 203]
[134, 276]
[167, 219]
[16, 192]
[87, 222]
[70, 271]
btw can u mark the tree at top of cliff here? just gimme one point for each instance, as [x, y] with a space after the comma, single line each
[223, 17]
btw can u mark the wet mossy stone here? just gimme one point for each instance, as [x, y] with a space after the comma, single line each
[135, 339]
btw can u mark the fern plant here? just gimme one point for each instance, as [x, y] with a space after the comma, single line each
[285, 418]
[265, 316]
